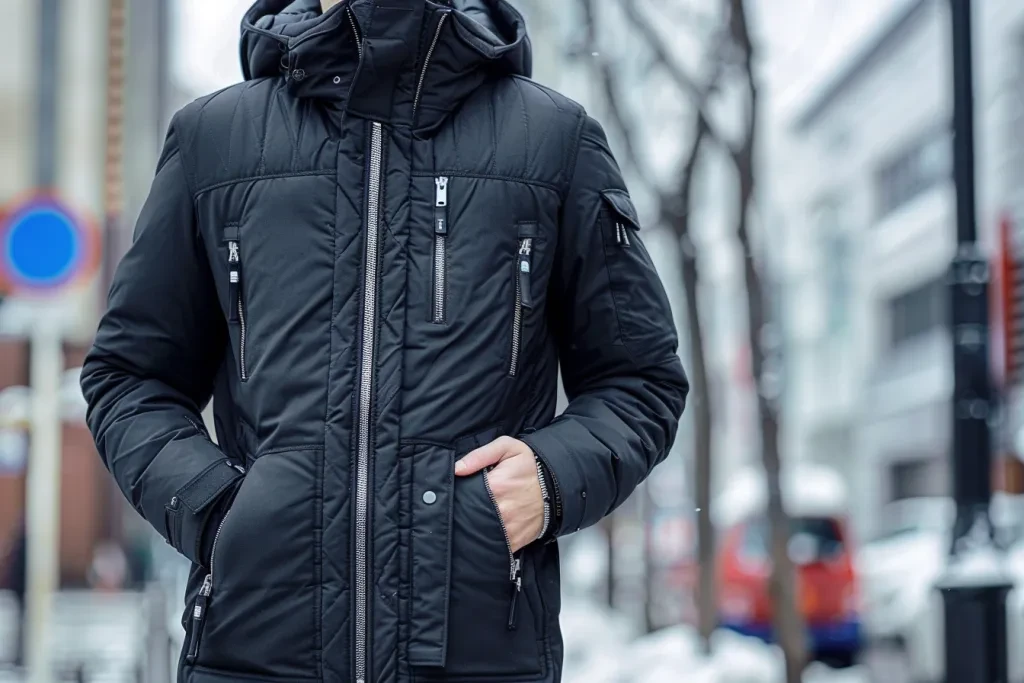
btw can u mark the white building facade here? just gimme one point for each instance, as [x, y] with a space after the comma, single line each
[870, 214]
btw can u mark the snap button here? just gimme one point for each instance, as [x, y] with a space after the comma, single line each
[337, 80]
[298, 74]
[429, 497]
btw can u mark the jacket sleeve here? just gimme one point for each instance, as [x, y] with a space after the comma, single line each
[151, 369]
[617, 348]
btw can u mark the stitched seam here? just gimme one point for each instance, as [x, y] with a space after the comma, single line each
[424, 442]
[526, 125]
[574, 157]
[184, 161]
[266, 176]
[490, 176]
[321, 471]
[544, 89]
[290, 449]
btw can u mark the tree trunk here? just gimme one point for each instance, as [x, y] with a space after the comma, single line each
[608, 527]
[700, 404]
[789, 627]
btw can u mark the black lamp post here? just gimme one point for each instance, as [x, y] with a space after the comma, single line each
[974, 588]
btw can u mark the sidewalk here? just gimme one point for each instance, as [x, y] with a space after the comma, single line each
[103, 634]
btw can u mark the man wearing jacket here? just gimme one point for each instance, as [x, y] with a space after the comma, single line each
[373, 255]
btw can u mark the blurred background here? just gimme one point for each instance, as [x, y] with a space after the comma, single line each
[793, 162]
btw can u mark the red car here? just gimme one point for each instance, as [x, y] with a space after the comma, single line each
[821, 548]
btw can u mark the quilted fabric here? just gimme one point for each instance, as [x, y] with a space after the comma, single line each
[373, 255]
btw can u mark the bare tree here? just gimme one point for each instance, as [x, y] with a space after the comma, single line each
[789, 625]
[733, 56]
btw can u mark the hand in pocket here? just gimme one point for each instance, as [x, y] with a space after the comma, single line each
[514, 484]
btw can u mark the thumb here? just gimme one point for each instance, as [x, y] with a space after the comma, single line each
[485, 456]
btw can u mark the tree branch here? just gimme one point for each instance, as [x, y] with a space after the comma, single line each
[609, 86]
[686, 83]
[739, 31]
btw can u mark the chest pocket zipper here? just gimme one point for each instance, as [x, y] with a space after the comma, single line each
[440, 293]
[236, 297]
[524, 291]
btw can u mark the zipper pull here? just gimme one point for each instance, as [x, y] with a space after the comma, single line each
[517, 588]
[234, 278]
[525, 266]
[441, 205]
[621, 235]
[199, 619]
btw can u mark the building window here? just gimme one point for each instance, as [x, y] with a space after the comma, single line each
[918, 168]
[918, 311]
[917, 478]
[836, 254]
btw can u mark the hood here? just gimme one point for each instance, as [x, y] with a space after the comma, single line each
[367, 56]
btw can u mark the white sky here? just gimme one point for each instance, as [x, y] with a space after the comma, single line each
[803, 41]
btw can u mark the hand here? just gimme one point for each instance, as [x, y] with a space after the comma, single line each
[514, 484]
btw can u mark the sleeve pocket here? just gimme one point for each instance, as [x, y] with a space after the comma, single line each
[620, 203]
[641, 304]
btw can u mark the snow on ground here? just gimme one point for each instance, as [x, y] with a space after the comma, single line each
[599, 650]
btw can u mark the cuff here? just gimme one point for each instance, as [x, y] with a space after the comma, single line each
[189, 510]
[567, 487]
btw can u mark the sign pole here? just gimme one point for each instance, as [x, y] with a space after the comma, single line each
[43, 500]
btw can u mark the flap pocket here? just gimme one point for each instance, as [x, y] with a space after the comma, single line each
[433, 472]
[620, 202]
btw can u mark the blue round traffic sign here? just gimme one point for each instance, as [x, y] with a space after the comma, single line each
[44, 245]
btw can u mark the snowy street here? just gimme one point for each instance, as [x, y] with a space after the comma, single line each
[598, 651]
[103, 635]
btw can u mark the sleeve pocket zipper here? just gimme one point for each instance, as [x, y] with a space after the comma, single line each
[236, 300]
[621, 235]
[524, 291]
[623, 214]
[515, 572]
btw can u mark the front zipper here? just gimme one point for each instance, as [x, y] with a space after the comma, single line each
[203, 600]
[426, 62]
[515, 573]
[362, 502]
[236, 301]
[440, 246]
[524, 299]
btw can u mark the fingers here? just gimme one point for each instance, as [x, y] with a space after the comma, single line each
[486, 456]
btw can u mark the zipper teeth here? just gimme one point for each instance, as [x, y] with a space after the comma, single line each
[355, 31]
[426, 62]
[365, 400]
[504, 529]
[545, 494]
[195, 426]
[439, 277]
[517, 325]
[213, 550]
[557, 497]
[241, 337]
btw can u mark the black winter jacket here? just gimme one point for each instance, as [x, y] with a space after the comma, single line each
[373, 255]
